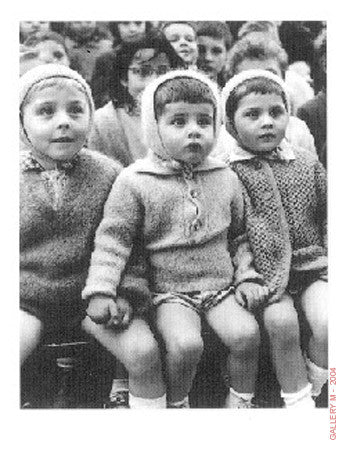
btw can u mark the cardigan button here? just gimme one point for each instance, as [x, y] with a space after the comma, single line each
[258, 165]
[193, 193]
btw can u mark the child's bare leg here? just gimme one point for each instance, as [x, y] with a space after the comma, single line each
[138, 350]
[239, 331]
[30, 334]
[281, 323]
[180, 328]
[314, 304]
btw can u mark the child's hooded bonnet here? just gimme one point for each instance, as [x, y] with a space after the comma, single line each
[152, 138]
[241, 77]
[46, 72]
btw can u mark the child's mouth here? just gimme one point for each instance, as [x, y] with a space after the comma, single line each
[267, 137]
[194, 147]
[63, 139]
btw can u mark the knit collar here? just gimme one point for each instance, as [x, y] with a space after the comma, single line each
[284, 152]
[29, 163]
[158, 166]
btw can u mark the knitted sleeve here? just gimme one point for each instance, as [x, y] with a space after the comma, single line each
[239, 245]
[114, 239]
[321, 192]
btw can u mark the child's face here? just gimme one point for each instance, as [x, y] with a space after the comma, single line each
[27, 27]
[212, 55]
[83, 28]
[145, 67]
[270, 64]
[131, 31]
[260, 122]
[183, 39]
[187, 131]
[56, 121]
[51, 52]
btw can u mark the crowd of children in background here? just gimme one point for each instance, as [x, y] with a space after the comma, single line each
[173, 172]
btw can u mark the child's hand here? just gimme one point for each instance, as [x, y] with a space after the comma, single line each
[102, 309]
[251, 295]
[123, 314]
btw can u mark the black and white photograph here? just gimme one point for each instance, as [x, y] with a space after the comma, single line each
[173, 229]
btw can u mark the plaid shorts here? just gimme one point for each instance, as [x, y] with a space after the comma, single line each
[196, 300]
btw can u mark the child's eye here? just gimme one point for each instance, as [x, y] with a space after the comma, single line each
[216, 51]
[58, 55]
[76, 109]
[178, 121]
[252, 114]
[277, 111]
[205, 121]
[46, 110]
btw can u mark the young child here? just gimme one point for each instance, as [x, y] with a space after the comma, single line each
[257, 51]
[214, 40]
[43, 47]
[285, 198]
[27, 28]
[184, 205]
[117, 127]
[182, 36]
[102, 74]
[63, 190]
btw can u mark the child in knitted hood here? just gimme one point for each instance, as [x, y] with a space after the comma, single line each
[185, 206]
[63, 190]
[285, 198]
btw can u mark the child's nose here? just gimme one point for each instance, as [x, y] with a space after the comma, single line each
[63, 120]
[267, 120]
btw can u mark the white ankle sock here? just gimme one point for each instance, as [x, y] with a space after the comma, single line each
[147, 403]
[238, 400]
[317, 376]
[300, 399]
[180, 404]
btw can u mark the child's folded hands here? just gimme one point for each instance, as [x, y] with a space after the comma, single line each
[251, 295]
[110, 312]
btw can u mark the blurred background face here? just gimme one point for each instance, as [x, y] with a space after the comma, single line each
[271, 64]
[182, 37]
[145, 66]
[27, 27]
[131, 31]
[83, 28]
[212, 55]
[51, 52]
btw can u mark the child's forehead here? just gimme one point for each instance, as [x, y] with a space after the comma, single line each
[182, 107]
[54, 88]
[211, 41]
[261, 99]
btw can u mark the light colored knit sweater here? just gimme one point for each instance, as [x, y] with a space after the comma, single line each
[184, 217]
[117, 134]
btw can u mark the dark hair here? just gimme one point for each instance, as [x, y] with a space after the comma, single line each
[216, 30]
[256, 45]
[113, 28]
[123, 59]
[182, 89]
[42, 36]
[257, 85]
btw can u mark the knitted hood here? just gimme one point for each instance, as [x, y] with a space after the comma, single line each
[45, 72]
[248, 75]
[152, 138]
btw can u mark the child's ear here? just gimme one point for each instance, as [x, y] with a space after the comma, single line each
[124, 83]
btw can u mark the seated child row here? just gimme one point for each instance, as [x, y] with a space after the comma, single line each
[178, 234]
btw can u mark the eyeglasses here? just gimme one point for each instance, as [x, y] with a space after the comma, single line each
[147, 71]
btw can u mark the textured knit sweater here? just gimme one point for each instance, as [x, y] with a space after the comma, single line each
[59, 214]
[117, 134]
[286, 200]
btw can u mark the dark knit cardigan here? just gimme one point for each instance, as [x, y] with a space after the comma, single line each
[285, 211]
[56, 238]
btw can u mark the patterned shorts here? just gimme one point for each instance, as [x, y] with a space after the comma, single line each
[196, 300]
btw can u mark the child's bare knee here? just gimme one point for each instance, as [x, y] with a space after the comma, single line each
[281, 322]
[143, 356]
[185, 346]
[245, 340]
